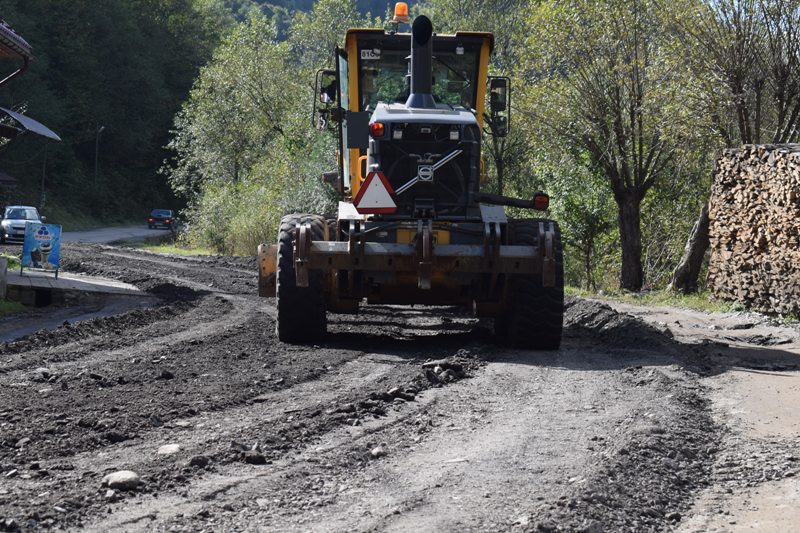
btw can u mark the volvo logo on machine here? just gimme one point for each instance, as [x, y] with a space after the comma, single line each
[425, 173]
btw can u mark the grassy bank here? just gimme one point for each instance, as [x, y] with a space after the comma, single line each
[7, 307]
[702, 301]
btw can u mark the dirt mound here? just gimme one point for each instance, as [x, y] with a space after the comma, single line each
[657, 460]
[597, 321]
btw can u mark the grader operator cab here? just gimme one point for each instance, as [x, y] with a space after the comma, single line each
[415, 227]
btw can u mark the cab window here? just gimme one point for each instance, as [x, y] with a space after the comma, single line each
[384, 77]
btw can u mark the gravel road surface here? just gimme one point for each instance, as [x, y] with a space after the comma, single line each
[189, 415]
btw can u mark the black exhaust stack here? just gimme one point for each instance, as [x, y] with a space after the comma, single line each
[421, 60]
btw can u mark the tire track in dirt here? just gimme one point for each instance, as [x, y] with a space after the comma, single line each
[550, 437]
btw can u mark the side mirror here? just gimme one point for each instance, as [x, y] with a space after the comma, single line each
[500, 105]
[43, 218]
[326, 91]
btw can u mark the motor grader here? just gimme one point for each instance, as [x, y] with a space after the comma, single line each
[409, 113]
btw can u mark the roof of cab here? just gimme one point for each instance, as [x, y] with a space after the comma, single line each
[456, 36]
[443, 114]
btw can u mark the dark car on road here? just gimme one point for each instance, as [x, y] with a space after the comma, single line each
[14, 219]
[161, 218]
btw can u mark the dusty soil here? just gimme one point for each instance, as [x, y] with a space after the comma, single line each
[402, 420]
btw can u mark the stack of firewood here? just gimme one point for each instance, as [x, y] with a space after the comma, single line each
[754, 230]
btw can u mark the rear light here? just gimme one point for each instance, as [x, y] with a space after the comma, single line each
[377, 129]
[541, 201]
[168, 220]
[150, 219]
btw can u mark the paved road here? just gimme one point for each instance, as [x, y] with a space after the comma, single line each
[106, 235]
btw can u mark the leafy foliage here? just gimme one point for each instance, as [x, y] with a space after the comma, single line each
[245, 153]
[122, 64]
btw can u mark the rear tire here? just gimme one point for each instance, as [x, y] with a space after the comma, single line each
[301, 310]
[535, 315]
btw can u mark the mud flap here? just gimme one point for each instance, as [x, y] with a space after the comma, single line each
[267, 268]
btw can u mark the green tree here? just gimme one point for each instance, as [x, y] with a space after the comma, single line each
[603, 83]
[244, 150]
[122, 64]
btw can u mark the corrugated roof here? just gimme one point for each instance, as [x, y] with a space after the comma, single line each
[12, 45]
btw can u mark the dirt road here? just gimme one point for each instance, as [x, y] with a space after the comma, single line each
[402, 420]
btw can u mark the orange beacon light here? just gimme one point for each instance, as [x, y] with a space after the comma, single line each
[400, 12]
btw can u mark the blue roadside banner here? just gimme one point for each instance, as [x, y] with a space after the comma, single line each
[42, 247]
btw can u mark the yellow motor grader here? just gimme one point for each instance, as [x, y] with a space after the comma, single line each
[408, 110]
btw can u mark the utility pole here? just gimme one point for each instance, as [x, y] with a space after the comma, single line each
[44, 174]
[96, 151]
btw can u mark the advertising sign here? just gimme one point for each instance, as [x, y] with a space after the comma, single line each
[42, 246]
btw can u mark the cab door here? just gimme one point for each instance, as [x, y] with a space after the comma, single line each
[344, 106]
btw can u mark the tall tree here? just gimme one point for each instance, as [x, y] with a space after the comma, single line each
[746, 54]
[603, 82]
[124, 65]
[506, 20]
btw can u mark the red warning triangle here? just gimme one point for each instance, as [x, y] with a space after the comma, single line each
[375, 196]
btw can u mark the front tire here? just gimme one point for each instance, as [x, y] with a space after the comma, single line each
[534, 318]
[301, 310]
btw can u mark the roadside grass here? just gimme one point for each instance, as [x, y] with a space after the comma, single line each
[13, 261]
[170, 245]
[7, 307]
[702, 301]
[176, 249]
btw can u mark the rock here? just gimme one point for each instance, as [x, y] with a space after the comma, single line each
[9, 524]
[444, 364]
[378, 451]
[114, 437]
[253, 457]
[262, 502]
[59, 509]
[407, 396]
[447, 376]
[111, 494]
[674, 516]
[22, 442]
[169, 449]
[521, 521]
[200, 461]
[346, 408]
[166, 374]
[41, 374]
[431, 376]
[12, 473]
[122, 480]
